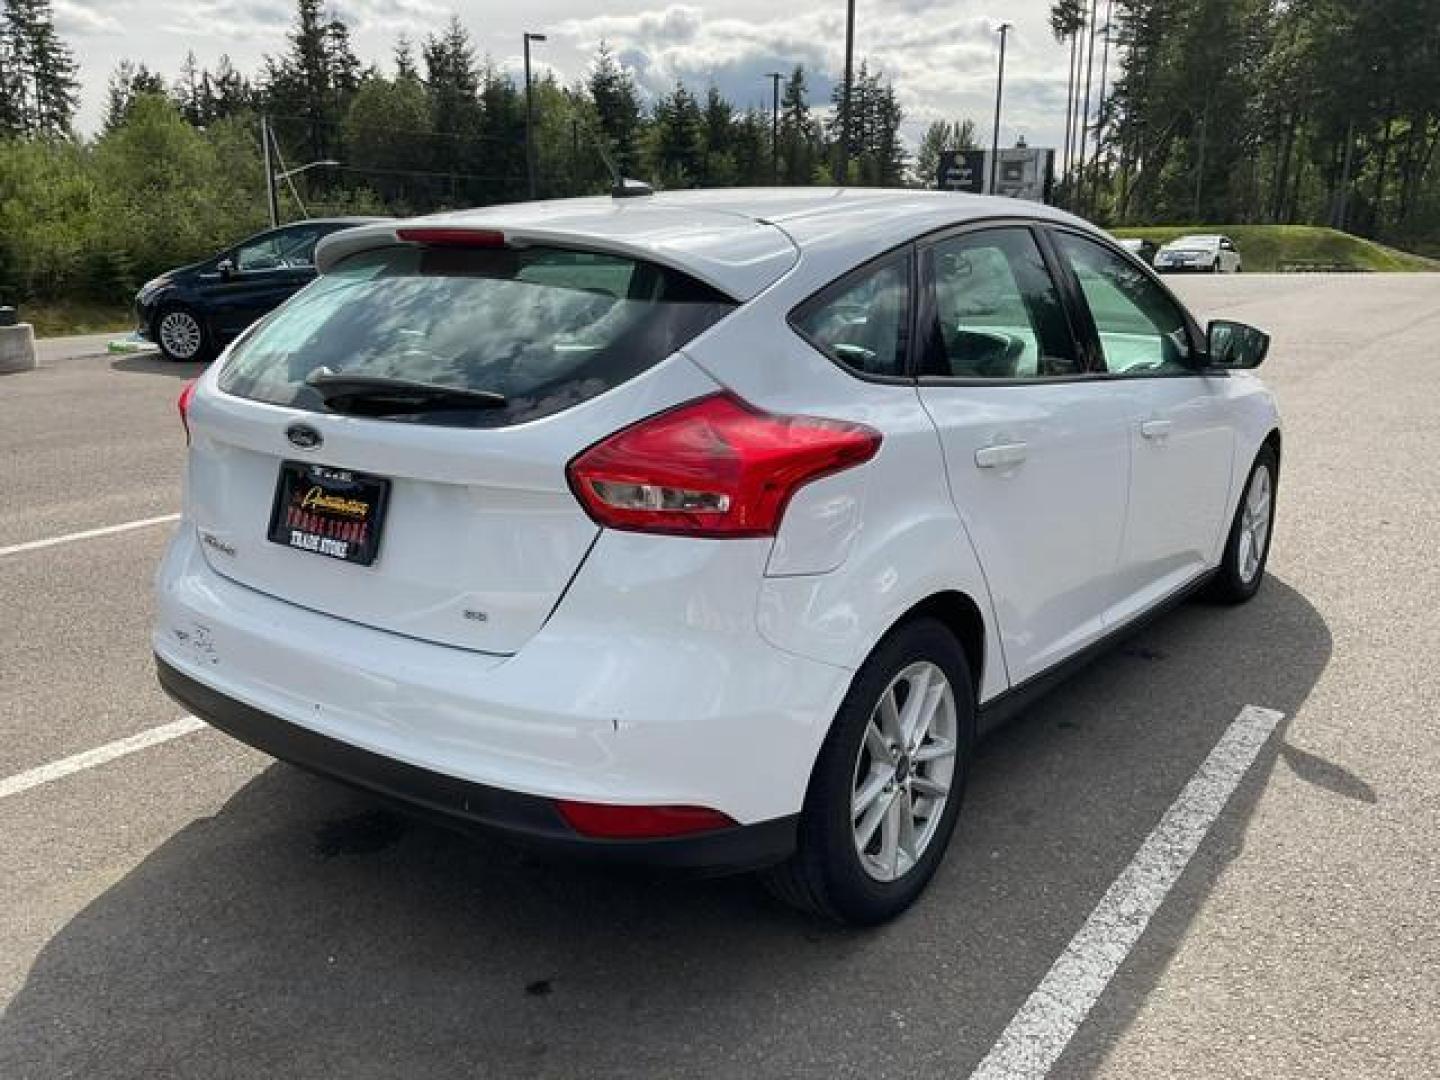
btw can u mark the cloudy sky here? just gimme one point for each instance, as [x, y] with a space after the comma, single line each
[941, 53]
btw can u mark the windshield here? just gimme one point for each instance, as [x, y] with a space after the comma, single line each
[547, 328]
[1195, 243]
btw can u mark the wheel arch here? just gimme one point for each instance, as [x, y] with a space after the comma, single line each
[1274, 441]
[961, 615]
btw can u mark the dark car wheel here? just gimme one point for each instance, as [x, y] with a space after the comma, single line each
[887, 786]
[1248, 546]
[180, 334]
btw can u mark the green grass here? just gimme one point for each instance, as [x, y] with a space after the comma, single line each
[1275, 247]
[56, 318]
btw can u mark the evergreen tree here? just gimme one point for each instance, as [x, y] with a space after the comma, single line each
[718, 164]
[230, 92]
[799, 151]
[405, 59]
[314, 79]
[452, 85]
[12, 114]
[42, 69]
[502, 135]
[127, 82]
[192, 92]
[678, 139]
[617, 109]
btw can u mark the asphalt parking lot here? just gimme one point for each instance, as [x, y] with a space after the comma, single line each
[193, 909]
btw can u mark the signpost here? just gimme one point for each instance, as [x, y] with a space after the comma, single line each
[1022, 172]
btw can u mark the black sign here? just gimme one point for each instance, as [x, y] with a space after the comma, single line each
[333, 512]
[962, 170]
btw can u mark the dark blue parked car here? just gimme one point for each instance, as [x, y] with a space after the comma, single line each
[192, 312]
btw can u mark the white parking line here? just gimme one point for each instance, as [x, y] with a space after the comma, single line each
[88, 534]
[1039, 1032]
[56, 770]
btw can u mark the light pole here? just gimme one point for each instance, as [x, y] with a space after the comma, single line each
[1004, 31]
[530, 115]
[842, 175]
[774, 77]
[285, 174]
[272, 198]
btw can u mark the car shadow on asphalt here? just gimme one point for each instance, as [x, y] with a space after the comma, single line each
[155, 364]
[304, 931]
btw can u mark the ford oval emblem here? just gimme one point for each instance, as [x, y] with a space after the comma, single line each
[304, 436]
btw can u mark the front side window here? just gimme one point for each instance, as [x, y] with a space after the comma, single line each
[862, 323]
[997, 313]
[1142, 330]
[279, 250]
[544, 327]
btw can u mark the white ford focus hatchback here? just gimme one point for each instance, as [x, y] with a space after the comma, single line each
[706, 529]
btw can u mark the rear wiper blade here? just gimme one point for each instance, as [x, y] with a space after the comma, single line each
[378, 395]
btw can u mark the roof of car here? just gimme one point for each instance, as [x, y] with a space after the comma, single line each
[739, 240]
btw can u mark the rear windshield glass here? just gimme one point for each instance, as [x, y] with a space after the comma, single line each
[545, 327]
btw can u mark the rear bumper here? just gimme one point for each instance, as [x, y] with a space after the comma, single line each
[643, 688]
[528, 820]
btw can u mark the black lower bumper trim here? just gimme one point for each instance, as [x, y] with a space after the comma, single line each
[525, 819]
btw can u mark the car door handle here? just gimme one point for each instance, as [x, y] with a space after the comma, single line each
[1155, 429]
[998, 457]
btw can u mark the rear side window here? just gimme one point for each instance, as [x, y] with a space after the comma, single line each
[862, 322]
[548, 328]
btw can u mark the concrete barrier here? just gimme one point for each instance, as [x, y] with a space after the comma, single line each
[17, 348]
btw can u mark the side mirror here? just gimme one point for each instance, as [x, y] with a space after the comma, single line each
[1235, 345]
[225, 267]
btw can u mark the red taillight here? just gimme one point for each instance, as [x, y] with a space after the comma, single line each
[471, 238]
[712, 467]
[183, 404]
[604, 821]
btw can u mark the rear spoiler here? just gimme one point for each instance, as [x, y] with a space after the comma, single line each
[738, 256]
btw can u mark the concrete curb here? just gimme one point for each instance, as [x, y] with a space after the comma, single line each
[17, 348]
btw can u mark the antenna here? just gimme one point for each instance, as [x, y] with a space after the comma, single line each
[621, 187]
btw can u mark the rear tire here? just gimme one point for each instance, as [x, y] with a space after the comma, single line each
[901, 758]
[180, 335]
[1247, 548]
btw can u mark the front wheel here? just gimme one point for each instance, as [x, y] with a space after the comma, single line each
[180, 335]
[887, 785]
[1248, 546]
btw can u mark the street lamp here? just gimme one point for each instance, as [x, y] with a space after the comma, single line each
[1003, 30]
[274, 177]
[287, 173]
[530, 114]
[774, 77]
[843, 173]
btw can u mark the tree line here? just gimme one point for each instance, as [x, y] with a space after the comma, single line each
[176, 169]
[1317, 111]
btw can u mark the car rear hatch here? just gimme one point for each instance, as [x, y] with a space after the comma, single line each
[439, 514]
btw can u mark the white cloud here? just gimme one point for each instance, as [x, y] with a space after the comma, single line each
[81, 19]
[941, 56]
[941, 53]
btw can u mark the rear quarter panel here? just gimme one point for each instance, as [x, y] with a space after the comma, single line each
[857, 550]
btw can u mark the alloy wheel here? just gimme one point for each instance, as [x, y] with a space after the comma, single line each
[903, 771]
[180, 334]
[1254, 525]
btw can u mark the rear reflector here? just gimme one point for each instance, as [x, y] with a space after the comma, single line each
[605, 821]
[715, 467]
[183, 404]
[469, 238]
